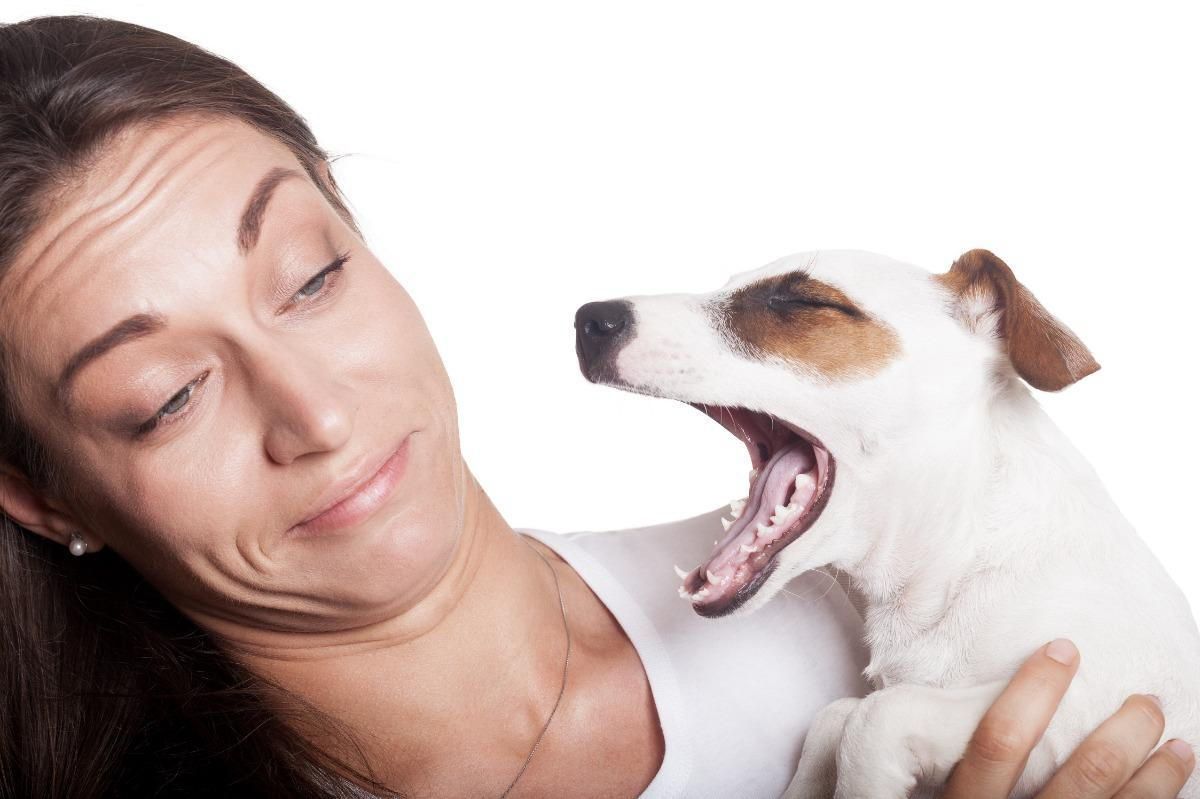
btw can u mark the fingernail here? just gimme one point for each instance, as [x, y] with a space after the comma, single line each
[1181, 749]
[1157, 701]
[1062, 650]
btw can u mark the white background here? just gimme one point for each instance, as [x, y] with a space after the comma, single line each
[511, 161]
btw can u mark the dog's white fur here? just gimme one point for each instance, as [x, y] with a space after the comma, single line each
[971, 529]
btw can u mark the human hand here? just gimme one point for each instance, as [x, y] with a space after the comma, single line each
[1108, 763]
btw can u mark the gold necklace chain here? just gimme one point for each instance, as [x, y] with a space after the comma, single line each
[566, 660]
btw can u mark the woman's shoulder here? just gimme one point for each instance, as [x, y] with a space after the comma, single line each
[758, 676]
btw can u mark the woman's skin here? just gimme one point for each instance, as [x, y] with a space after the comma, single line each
[431, 628]
[1111, 761]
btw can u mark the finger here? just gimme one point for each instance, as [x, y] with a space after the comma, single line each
[1108, 757]
[1012, 726]
[1164, 774]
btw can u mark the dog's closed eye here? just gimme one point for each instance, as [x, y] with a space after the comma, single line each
[788, 302]
[798, 291]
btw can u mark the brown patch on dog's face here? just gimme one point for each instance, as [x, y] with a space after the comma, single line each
[807, 321]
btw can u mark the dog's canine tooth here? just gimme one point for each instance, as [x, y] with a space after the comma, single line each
[726, 523]
[747, 548]
[679, 572]
[712, 578]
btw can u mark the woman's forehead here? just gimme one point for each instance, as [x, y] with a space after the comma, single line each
[177, 189]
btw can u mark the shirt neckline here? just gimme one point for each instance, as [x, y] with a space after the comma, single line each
[676, 766]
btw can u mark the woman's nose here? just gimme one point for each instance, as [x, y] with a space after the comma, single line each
[306, 406]
[601, 329]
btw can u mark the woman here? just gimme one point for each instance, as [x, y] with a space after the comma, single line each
[201, 357]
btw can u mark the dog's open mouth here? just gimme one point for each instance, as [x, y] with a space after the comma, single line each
[790, 482]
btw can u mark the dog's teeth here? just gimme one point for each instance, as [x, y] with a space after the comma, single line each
[764, 529]
[712, 578]
[683, 593]
[804, 479]
[753, 474]
[781, 511]
[726, 523]
[737, 506]
[703, 592]
[748, 548]
[680, 572]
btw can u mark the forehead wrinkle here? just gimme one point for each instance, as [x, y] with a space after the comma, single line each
[141, 165]
[114, 208]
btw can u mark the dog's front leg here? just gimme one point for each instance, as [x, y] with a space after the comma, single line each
[905, 733]
[817, 773]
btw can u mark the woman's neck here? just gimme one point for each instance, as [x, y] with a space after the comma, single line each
[461, 683]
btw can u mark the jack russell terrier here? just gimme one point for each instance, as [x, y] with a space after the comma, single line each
[892, 440]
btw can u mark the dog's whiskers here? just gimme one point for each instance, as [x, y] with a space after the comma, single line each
[807, 598]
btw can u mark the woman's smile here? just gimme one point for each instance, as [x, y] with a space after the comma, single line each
[362, 502]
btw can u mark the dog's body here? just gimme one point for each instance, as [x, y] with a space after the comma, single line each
[971, 530]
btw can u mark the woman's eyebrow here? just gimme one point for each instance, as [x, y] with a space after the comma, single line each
[251, 222]
[130, 329]
[144, 324]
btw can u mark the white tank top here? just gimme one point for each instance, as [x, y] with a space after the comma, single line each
[735, 695]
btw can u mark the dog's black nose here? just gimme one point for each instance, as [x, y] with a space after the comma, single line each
[601, 329]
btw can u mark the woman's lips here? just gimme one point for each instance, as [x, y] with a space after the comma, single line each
[363, 503]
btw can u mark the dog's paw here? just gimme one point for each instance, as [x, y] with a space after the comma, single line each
[816, 775]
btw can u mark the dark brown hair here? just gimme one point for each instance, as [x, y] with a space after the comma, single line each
[106, 689]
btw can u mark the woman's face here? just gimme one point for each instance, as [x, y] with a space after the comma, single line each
[200, 440]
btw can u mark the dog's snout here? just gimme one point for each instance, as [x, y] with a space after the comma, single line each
[601, 329]
[602, 321]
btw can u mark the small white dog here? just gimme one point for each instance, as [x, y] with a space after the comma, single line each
[892, 439]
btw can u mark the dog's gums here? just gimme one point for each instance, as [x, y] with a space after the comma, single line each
[790, 481]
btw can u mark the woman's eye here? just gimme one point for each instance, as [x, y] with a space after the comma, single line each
[171, 409]
[318, 280]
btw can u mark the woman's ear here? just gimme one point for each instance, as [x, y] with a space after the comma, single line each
[19, 502]
[1044, 351]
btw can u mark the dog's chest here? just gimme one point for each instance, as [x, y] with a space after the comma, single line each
[913, 642]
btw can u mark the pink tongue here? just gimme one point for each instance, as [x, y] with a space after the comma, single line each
[770, 488]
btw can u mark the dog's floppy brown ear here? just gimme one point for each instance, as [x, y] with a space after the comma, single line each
[1042, 349]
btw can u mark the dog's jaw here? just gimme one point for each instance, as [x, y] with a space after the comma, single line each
[791, 481]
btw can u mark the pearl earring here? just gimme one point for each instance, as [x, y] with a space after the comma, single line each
[78, 546]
